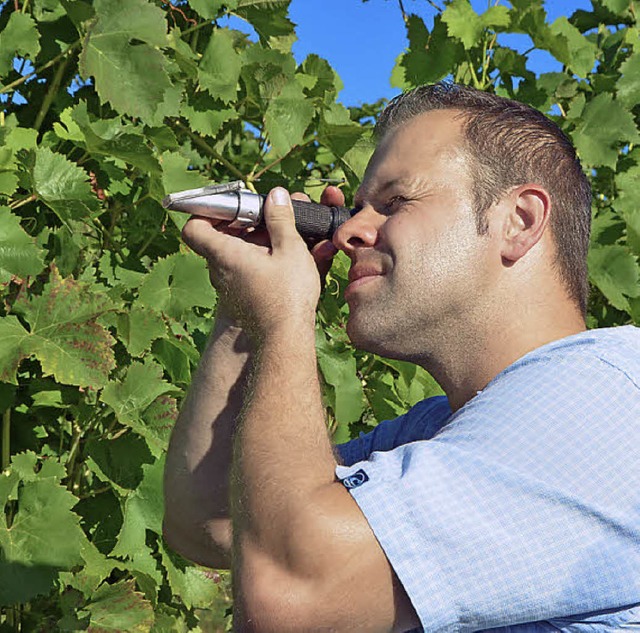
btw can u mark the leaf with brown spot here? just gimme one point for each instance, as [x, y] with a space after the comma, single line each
[64, 336]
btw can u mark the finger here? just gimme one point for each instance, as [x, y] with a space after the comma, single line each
[323, 254]
[332, 197]
[278, 215]
[300, 196]
[205, 239]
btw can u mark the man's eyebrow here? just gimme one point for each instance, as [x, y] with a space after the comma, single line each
[366, 192]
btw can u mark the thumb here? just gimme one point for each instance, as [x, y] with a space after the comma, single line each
[279, 218]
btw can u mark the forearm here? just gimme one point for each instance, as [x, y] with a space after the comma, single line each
[283, 453]
[197, 517]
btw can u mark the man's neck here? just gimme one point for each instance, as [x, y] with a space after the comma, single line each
[467, 359]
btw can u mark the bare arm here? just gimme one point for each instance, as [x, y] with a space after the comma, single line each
[197, 517]
[196, 487]
[304, 556]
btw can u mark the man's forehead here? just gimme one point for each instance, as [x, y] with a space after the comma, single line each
[423, 142]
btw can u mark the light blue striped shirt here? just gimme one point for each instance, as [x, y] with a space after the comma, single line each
[520, 512]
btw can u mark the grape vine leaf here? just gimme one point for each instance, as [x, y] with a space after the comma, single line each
[121, 53]
[64, 335]
[44, 537]
[143, 510]
[176, 174]
[572, 48]
[176, 284]
[111, 139]
[209, 9]
[19, 256]
[339, 370]
[139, 327]
[628, 85]
[129, 397]
[19, 37]
[205, 114]
[62, 186]
[287, 118]
[194, 586]
[466, 25]
[616, 273]
[220, 67]
[605, 123]
[118, 607]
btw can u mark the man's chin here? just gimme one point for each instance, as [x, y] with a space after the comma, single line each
[365, 335]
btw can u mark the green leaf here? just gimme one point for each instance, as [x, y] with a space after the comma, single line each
[209, 9]
[430, 57]
[120, 52]
[339, 370]
[119, 460]
[177, 284]
[64, 335]
[44, 538]
[355, 161]
[572, 48]
[138, 328]
[466, 25]
[605, 124]
[337, 131]
[19, 256]
[47, 10]
[109, 138]
[194, 586]
[268, 17]
[287, 118]
[616, 6]
[143, 511]
[159, 420]
[176, 175]
[616, 273]
[130, 397]
[19, 37]
[220, 67]
[629, 84]
[63, 186]
[205, 114]
[118, 608]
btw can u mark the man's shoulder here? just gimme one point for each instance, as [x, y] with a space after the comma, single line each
[574, 359]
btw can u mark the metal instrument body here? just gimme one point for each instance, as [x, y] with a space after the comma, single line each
[242, 208]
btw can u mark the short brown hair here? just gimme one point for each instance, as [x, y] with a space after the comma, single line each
[511, 144]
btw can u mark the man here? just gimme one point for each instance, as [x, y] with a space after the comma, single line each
[511, 504]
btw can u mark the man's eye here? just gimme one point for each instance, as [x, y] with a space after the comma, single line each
[393, 204]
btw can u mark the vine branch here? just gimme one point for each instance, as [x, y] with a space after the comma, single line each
[6, 439]
[51, 62]
[203, 145]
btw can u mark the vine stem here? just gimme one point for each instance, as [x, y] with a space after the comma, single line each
[51, 93]
[51, 62]
[6, 439]
[202, 144]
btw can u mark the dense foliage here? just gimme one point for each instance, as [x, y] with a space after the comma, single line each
[111, 104]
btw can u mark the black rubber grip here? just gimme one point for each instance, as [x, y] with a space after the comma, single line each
[316, 222]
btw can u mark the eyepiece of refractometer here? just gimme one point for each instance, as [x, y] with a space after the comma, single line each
[243, 208]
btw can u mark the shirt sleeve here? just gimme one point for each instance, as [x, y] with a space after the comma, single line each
[421, 422]
[524, 507]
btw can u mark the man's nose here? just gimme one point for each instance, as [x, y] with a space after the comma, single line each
[361, 230]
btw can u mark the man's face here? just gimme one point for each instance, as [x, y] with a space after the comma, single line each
[418, 263]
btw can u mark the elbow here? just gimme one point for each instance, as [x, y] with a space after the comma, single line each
[203, 551]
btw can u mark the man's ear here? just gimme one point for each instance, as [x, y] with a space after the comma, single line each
[525, 220]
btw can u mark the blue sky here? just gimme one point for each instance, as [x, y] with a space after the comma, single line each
[361, 40]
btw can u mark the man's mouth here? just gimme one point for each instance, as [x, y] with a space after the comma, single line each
[360, 276]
